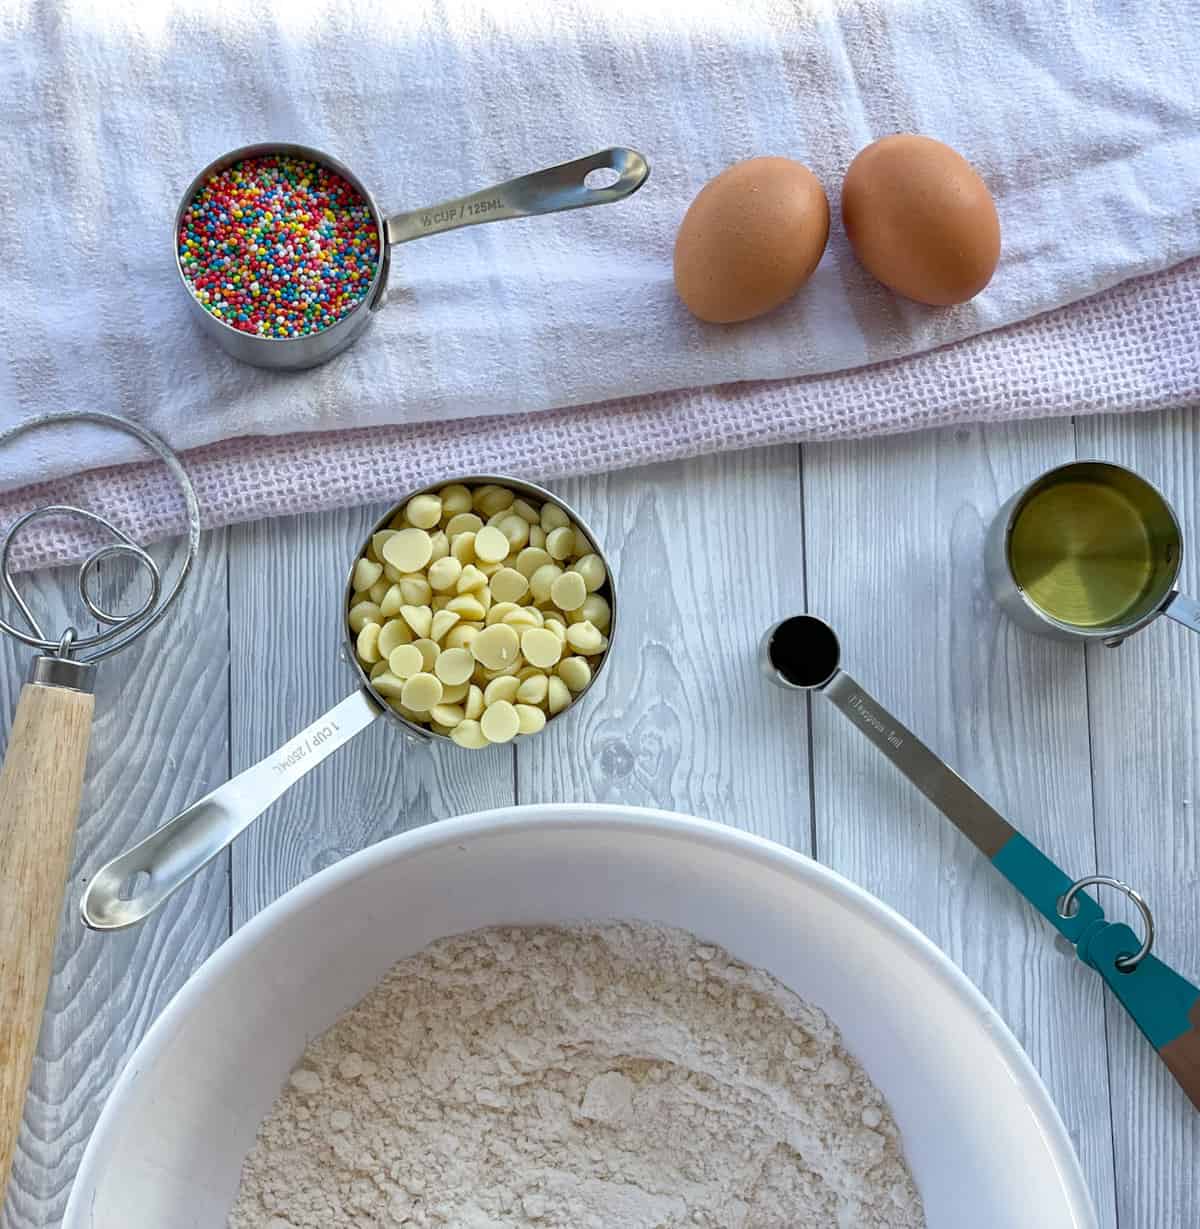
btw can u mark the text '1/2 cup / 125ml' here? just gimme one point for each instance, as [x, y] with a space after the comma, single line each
[133, 885]
[284, 254]
[1088, 551]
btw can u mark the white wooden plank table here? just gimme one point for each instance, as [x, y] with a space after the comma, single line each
[1096, 754]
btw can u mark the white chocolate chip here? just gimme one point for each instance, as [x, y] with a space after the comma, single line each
[503, 688]
[448, 715]
[597, 610]
[366, 574]
[509, 585]
[367, 644]
[560, 542]
[455, 499]
[462, 547]
[443, 621]
[568, 591]
[440, 544]
[388, 685]
[362, 614]
[405, 661]
[537, 537]
[421, 692]
[461, 635]
[469, 734]
[452, 693]
[530, 559]
[541, 647]
[415, 590]
[575, 672]
[533, 689]
[408, 549]
[500, 722]
[464, 522]
[419, 618]
[483, 675]
[496, 647]
[553, 517]
[393, 599]
[491, 546]
[378, 591]
[430, 651]
[498, 610]
[474, 704]
[541, 581]
[591, 568]
[526, 511]
[378, 540]
[515, 529]
[529, 719]
[585, 637]
[558, 695]
[380, 667]
[423, 511]
[467, 606]
[454, 666]
[394, 632]
[524, 616]
[471, 579]
[492, 499]
[444, 574]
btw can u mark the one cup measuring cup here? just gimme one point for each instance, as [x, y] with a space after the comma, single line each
[284, 254]
[485, 667]
[1089, 551]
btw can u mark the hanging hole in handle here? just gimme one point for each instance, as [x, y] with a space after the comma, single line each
[133, 885]
[601, 177]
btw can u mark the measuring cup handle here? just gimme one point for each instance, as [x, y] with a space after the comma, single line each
[550, 191]
[169, 857]
[1183, 609]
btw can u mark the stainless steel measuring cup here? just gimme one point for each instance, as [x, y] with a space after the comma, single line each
[553, 190]
[803, 654]
[133, 885]
[1088, 551]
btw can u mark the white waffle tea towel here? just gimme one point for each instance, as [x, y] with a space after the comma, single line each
[1083, 119]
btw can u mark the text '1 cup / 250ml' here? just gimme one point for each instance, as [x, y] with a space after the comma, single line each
[285, 256]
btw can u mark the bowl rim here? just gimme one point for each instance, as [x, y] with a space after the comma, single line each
[592, 816]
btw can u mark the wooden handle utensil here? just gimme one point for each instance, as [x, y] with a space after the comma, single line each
[40, 787]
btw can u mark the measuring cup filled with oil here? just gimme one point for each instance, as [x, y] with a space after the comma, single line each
[1088, 551]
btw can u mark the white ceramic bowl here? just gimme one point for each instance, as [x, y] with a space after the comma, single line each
[985, 1144]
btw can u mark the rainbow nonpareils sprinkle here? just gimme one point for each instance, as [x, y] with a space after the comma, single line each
[278, 246]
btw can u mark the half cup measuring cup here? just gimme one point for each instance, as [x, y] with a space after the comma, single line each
[134, 884]
[553, 190]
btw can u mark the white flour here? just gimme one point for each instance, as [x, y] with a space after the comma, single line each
[617, 1075]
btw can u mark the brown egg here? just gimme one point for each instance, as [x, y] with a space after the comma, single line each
[750, 239]
[921, 220]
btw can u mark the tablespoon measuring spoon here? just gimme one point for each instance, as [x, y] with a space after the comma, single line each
[803, 654]
[596, 179]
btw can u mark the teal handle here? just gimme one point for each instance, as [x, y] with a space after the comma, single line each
[1163, 1004]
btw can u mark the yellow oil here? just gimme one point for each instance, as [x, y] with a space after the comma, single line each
[1082, 553]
